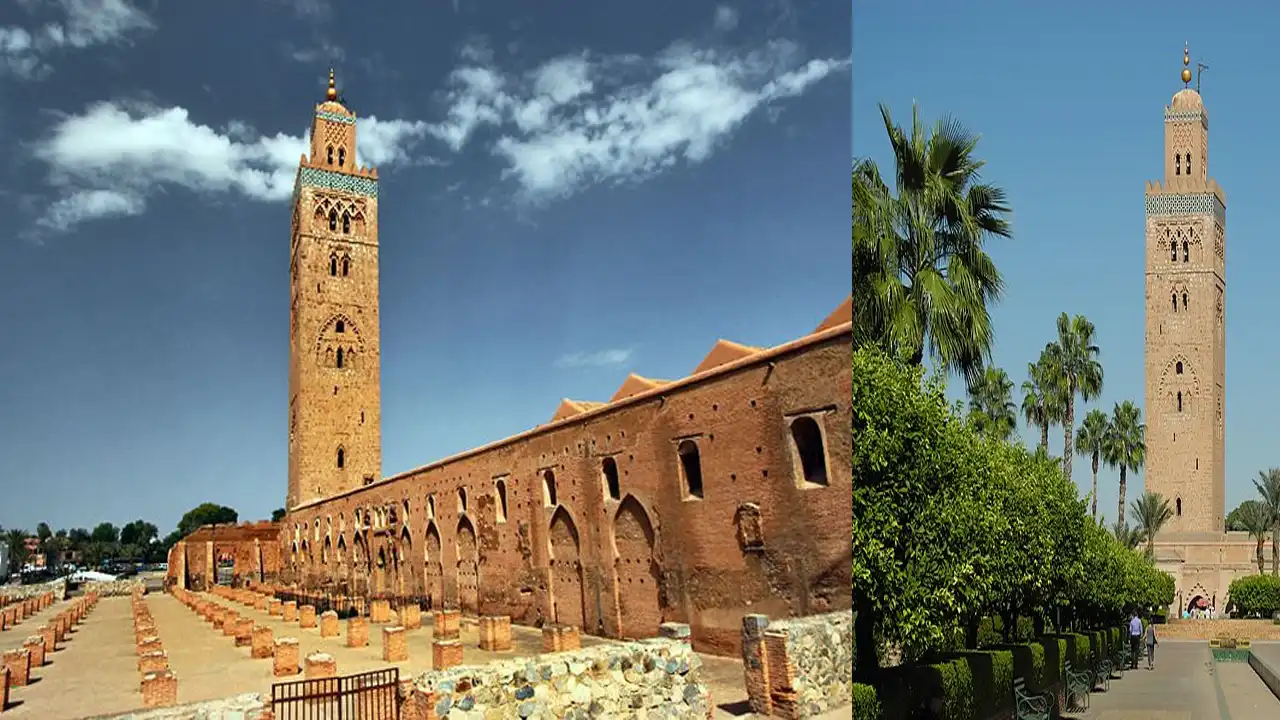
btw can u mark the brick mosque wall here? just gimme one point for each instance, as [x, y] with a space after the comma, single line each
[663, 676]
[589, 521]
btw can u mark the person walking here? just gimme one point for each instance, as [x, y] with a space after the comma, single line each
[1150, 637]
[1135, 639]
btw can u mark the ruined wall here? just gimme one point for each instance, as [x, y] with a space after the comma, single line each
[801, 667]
[252, 549]
[114, 588]
[590, 520]
[662, 676]
[21, 592]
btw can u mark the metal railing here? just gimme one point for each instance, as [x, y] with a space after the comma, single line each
[368, 696]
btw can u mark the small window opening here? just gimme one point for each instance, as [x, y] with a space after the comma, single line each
[1179, 401]
[1173, 251]
[333, 266]
[462, 500]
[330, 155]
[610, 469]
[1179, 507]
[807, 437]
[333, 219]
[346, 266]
[500, 489]
[1177, 163]
[1184, 301]
[1188, 163]
[1186, 252]
[346, 224]
[342, 156]
[342, 458]
[1175, 303]
[340, 326]
[691, 467]
[339, 357]
[548, 488]
[431, 506]
[1178, 367]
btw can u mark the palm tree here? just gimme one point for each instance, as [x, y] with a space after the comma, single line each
[1090, 440]
[1074, 359]
[922, 280]
[1129, 537]
[1268, 486]
[1125, 446]
[1039, 405]
[991, 405]
[1150, 512]
[16, 539]
[1255, 518]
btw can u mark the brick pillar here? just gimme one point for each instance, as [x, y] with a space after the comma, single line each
[263, 643]
[159, 689]
[229, 622]
[411, 617]
[448, 624]
[290, 610]
[286, 657]
[394, 648]
[755, 664]
[275, 608]
[419, 705]
[19, 664]
[244, 632]
[50, 635]
[153, 662]
[328, 624]
[357, 632]
[445, 654]
[4, 687]
[149, 644]
[495, 633]
[259, 602]
[35, 645]
[320, 665]
[379, 611]
[307, 617]
[559, 638]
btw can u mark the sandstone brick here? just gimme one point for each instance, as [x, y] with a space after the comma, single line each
[445, 654]
[394, 647]
[286, 657]
[357, 632]
[321, 665]
[153, 662]
[159, 689]
[448, 623]
[328, 624]
[244, 632]
[35, 645]
[307, 617]
[19, 664]
[263, 642]
[560, 638]
[290, 610]
[495, 633]
[411, 617]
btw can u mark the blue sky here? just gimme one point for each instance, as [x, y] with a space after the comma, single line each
[567, 195]
[1069, 101]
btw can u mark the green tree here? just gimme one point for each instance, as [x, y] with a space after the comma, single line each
[43, 532]
[1150, 512]
[205, 514]
[1090, 441]
[1129, 538]
[1126, 446]
[278, 514]
[1255, 518]
[16, 538]
[1038, 400]
[139, 533]
[1268, 486]
[991, 407]
[922, 280]
[105, 533]
[1074, 359]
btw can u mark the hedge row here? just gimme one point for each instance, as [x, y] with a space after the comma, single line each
[977, 684]
[1256, 595]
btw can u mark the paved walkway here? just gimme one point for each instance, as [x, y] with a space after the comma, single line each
[95, 671]
[1185, 685]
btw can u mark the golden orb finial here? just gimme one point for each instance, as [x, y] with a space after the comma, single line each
[1186, 64]
[332, 92]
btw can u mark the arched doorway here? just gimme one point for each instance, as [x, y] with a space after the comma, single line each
[468, 568]
[404, 570]
[380, 572]
[636, 570]
[566, 570]
[434, 569]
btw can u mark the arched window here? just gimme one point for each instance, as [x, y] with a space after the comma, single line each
[1186, 252]
[1178, 367]
[548, 488]
[346, 265]
[1175, 302]
[330, 155]
[342, 458]
[691, 468]
[609, 468]
[807, 439]
[1178, 503]
[431, 506]
[462, 500]
[1173, 251]
[340, 326]
[1184, 299]
[1177, 163]
[1179, 401]
[333, 219]
[339, 357]
[342, 156]
[500, 504]
[346, 224]
[1188, 163]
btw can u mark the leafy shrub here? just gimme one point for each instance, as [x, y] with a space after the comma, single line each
[1256, 594]
[866, 705]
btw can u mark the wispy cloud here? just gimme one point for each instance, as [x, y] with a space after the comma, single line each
[602, 358]
[63, 25]
[726, 18]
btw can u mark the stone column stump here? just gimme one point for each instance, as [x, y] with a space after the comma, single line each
[328, 624]
[149, 644]
[394, 648]
[275, 608]
[4, 687]
[321, 665]
[153, 662]
[495, 633]
[307, 617]
[244, 632]
[19, 664]
[229, 623]
[290, 610]
[50, 635]
[445, 654]
[35, 645]
[263, 644]
[559, 638]
[286, 657]
[357, 632]
[448, 623]
[159, 689]
[411, 617]
[379, 611]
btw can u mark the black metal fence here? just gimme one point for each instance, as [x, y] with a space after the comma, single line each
[368, 696]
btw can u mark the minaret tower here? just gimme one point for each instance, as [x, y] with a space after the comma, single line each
[1186, 338]
[335, 439]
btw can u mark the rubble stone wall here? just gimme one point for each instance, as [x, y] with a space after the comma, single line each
[798, 668]
[250, 706]
[663, 676]
[19, 592]
[113, 588]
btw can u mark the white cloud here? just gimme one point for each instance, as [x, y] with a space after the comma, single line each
[108, 160]
[726, 18]
[80, 24]
[577, 120]
[615, 356]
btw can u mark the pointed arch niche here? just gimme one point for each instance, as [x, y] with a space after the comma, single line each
[637, 586]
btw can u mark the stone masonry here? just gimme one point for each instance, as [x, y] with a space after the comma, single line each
[798, 668]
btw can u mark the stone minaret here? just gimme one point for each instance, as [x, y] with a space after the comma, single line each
[335, 440]
[1186, 339]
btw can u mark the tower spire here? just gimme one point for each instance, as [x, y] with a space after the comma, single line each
[1187, 67]
[332, 93]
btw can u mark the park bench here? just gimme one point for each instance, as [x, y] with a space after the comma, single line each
[1126, 658]
[1078, 686]
[1028, 705]
[1102, 669]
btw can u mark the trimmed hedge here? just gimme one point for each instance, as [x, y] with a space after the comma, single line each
[1256, 594]
[866, 706]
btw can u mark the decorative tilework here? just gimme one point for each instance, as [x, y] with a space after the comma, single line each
[342, 182]
[335, 117]
[1185, 204]
[1185, 115]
